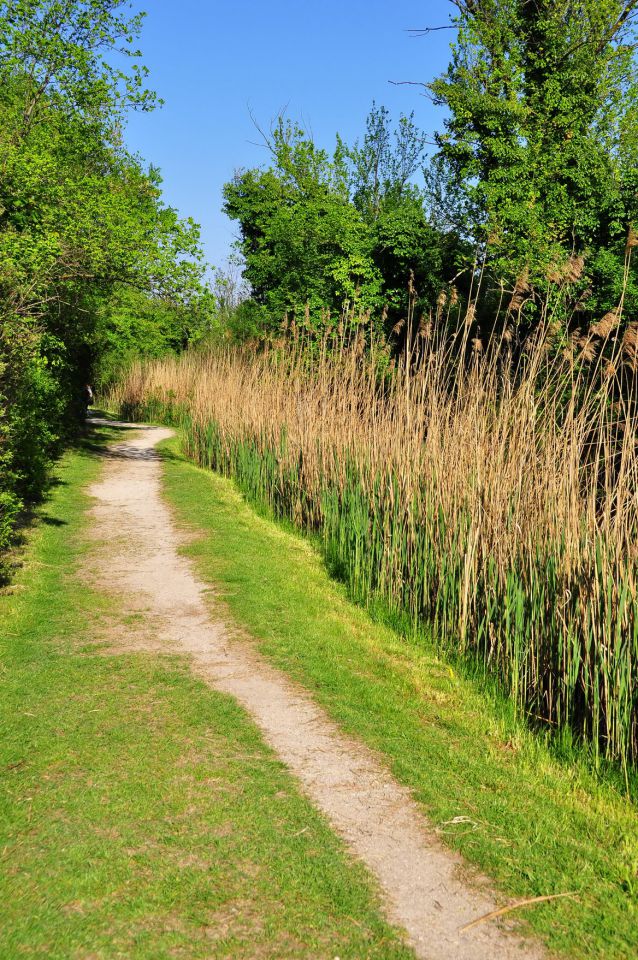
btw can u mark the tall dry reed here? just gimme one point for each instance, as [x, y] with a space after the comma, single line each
[497, 502]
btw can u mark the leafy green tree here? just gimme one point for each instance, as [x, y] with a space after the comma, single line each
[406, 242]
[317, 233]
[79, 219]
[302, 241]
[379, 171]
[542, 138]
[64, 53]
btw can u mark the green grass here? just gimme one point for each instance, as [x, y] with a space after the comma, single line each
[141, 814]
[535, 823]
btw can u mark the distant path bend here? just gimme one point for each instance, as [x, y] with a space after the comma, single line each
[375, 816]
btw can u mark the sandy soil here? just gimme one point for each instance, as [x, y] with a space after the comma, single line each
[423, 885]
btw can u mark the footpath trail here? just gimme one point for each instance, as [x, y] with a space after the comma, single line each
[423, 890]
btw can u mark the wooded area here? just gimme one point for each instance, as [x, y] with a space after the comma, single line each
[93, 266]
[527, 199]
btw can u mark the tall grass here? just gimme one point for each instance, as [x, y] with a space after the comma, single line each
[496, 501]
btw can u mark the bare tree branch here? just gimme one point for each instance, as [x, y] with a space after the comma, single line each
[424, 31]
[413, 83]
[625, 17]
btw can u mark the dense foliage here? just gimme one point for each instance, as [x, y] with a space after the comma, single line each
[529, 200]
[325, 236]
[541, 144]
[91, 262]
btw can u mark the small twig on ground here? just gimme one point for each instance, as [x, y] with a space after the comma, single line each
[513, 906]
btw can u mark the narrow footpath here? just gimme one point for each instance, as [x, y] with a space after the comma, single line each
[137, 546]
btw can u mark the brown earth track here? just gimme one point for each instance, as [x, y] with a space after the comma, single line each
[421, 882]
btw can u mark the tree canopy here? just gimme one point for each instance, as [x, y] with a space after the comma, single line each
[541, 137]
[337, 235]
[81, 221]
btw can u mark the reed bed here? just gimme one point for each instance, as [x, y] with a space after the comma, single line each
[480, 498]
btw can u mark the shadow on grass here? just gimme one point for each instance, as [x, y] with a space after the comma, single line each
[98, 438]
[51, 521]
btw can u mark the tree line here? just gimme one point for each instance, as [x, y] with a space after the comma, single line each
[93, 265]
[527, 202]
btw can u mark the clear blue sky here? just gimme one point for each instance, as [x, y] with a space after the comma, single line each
[215, 61]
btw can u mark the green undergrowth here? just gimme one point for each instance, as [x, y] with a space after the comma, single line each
[141, 814]
[537, 824]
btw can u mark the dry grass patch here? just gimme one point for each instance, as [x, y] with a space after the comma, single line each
[493, 501]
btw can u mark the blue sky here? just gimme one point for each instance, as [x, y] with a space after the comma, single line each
[325, 62]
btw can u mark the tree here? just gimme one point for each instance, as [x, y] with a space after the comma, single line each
[79, 219]
[63, 53]
[302, 241]
[381, 176]
[327, 232]
[379, 170]
[542, 136]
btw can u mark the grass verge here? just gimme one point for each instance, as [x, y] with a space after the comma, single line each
[141, 814]
[535, 823]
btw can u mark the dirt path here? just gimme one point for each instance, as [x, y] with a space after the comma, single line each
[376, 817]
